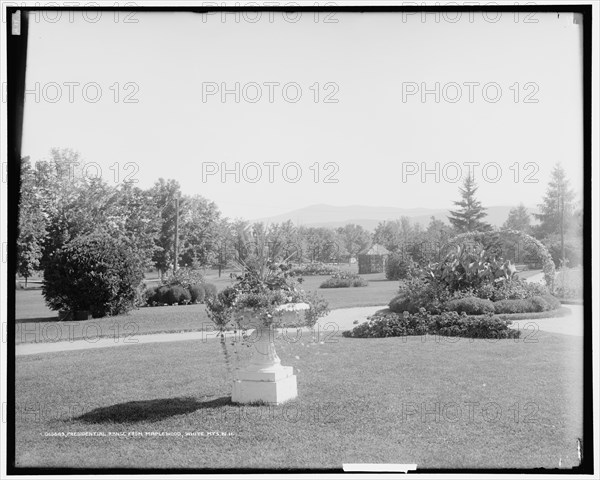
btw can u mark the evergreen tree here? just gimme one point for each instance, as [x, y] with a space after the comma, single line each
[468, 218]
[557, 214]
[518, 219]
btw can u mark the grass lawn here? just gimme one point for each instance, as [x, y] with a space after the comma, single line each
[37, 323]
[453, 403]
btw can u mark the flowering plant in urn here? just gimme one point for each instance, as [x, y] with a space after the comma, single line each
[263, 297]
[265, 294]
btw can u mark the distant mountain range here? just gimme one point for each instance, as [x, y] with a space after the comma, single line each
[368, 217]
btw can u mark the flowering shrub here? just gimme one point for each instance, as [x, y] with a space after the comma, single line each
[344, 280]
[452, 324]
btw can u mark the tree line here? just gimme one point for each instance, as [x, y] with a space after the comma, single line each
[58, 204]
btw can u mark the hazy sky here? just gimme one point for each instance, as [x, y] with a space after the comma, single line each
[374, 65]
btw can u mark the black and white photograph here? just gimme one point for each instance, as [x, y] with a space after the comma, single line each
[336, 239]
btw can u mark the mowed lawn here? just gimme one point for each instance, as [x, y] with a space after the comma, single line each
[36, 323]
[453, 403]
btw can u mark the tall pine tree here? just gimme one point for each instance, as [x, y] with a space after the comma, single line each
[557, 215]
[468, 217]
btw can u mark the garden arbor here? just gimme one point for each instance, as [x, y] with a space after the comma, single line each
[487, 238]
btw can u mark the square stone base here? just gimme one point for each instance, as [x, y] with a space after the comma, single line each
[273, 388]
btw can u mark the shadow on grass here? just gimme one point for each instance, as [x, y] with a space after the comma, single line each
[37, 319]
[150, 410]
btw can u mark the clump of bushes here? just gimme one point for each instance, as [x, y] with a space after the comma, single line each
[179, 294]
[97, 273]
[471, 282]
[344, 280]
[399, 266]
[386, 323]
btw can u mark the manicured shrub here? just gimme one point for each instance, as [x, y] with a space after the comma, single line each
[196, 293]
[344, 280]
[177, 294]
[210, 291]
[399, 266]
[470, 306]
[96, 272]
[534, 304]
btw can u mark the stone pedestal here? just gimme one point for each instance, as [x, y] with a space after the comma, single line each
[264, 379]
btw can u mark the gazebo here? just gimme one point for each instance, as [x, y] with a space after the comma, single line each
[373, 259]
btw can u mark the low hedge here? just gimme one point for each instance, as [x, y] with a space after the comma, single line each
[386, 323]
[344, 280]
[310, 269]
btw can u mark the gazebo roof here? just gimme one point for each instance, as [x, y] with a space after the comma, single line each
[376, 250]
